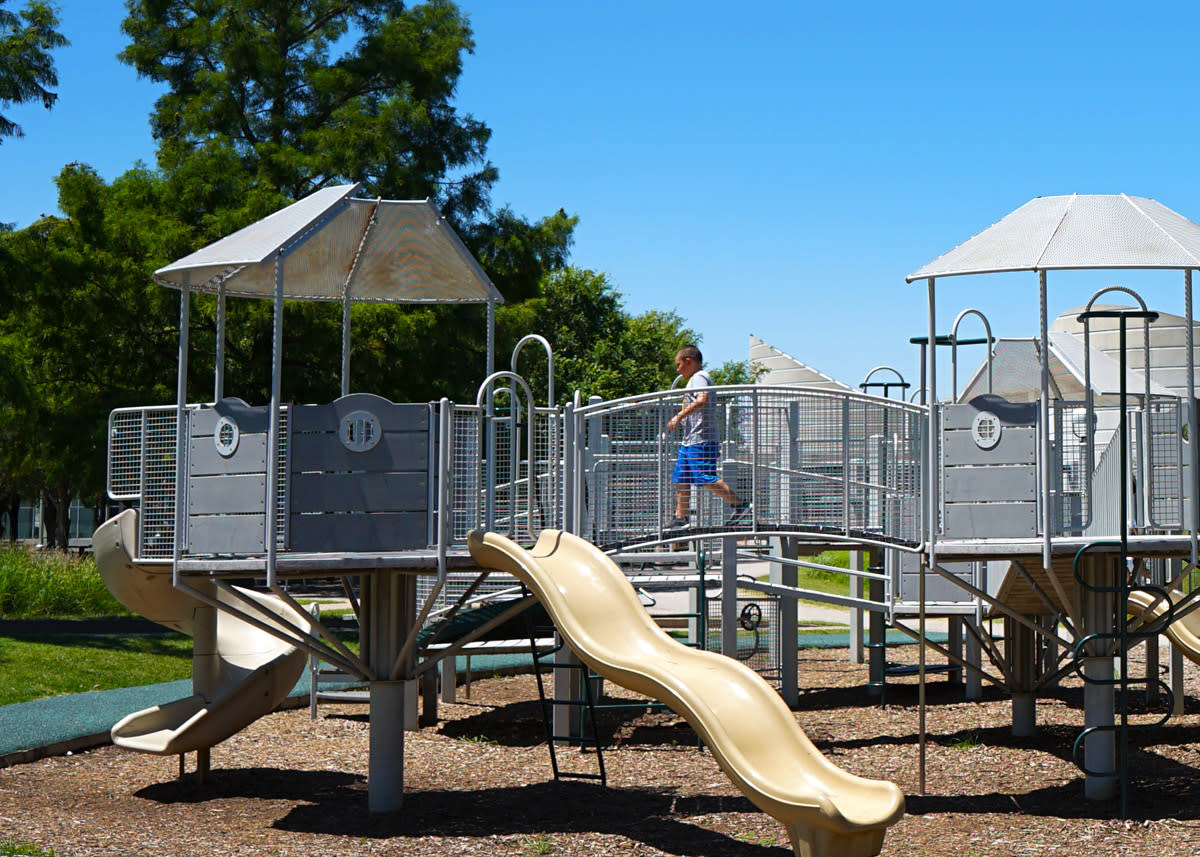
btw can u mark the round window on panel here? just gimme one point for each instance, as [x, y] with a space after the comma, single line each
[359, 431]
[986, 429]
[226, 436]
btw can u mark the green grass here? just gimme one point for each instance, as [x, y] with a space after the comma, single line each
[36, 667]
[967, 742]
[41, 584]
[16, 848]
[829, 582]
[538, 844]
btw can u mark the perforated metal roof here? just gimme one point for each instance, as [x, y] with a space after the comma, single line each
[1075, 232]
[784, 369]
[335, 245]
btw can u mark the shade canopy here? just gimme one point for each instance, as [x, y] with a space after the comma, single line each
[782, 369]
[1076, 232]
[334, 247]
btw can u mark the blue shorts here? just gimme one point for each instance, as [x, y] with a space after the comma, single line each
[696, 464]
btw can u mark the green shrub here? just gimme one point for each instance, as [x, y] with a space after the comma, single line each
[40, 584]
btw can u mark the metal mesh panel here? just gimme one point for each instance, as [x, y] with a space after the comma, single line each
[1164, 464]
[141, 470]
[813, 460]
[1073, 468]
[757, 634]
[281, 481]
[466, 469]
[157, 517]
[126, 431]
[547, 471]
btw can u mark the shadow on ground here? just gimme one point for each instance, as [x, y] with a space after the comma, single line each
[334, 803]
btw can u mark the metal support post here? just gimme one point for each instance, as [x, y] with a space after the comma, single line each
[1100, 747]
[856, 613]
[1022, 657]
[789, 662]
[877, 633]
[385, 768]
[729, 608]
[568, 684]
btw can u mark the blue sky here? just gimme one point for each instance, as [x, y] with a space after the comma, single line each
[774, 168]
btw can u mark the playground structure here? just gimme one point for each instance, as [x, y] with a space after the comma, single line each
[1022, 508]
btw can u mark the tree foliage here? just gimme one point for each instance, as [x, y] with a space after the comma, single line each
[600, 350]
[27, 40]
[306, 93]
[81, 332]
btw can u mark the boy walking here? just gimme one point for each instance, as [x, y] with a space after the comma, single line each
[696, 463]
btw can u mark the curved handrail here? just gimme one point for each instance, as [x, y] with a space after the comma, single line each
[987, 329]
[545, 343]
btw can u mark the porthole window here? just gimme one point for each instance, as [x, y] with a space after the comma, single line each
[360, 431]
[985, 429]
[226, 437]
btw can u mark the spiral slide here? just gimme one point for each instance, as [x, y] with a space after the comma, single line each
[1184, 633]
[748, 728]
[242, 675]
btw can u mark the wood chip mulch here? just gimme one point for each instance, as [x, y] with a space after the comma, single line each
[479, 783]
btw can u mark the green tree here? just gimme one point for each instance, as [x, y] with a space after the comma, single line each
[599, 348]
[300, 94]
[27, 39]
[81, 332]
[269, 100]
[737, 372]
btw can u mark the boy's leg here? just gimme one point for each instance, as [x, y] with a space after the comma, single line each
[726, 493]
[683, 498]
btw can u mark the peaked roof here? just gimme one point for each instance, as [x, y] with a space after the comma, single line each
[1075, 232]
[784, 369]
[334, 246]
[1017, 367]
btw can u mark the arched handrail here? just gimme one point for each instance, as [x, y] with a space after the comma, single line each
[485, 395]
[987, 329]
[886, 385]
[1147, 316]
[516, 354]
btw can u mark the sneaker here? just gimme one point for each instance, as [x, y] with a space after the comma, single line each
[739, 515]
[677, 524]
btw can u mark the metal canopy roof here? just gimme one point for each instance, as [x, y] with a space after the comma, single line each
[334, 247]
[1075, 232]
[784, 369]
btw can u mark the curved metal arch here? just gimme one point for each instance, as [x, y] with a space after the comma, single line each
[987, 329]
[887, 385]
[545, 343]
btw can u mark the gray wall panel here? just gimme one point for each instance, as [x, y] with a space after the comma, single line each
[990, 520]
[1016, 483]
[226, 534]
[389, 531]
[392, 417]
[396, 451]
[249, 420]
[359, 492]
[1016, 446]
[227, 495]
[250, 457]
[1010, 413]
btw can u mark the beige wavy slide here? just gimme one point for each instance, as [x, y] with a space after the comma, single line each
[239, 677]
[746, 725]
[1184, 633]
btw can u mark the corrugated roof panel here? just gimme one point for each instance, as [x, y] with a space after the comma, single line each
[1075, 232]
[410, 254]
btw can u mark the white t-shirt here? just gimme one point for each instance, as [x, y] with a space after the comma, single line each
[699, 426]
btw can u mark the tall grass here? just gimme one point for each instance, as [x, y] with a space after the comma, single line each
[42, 584]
